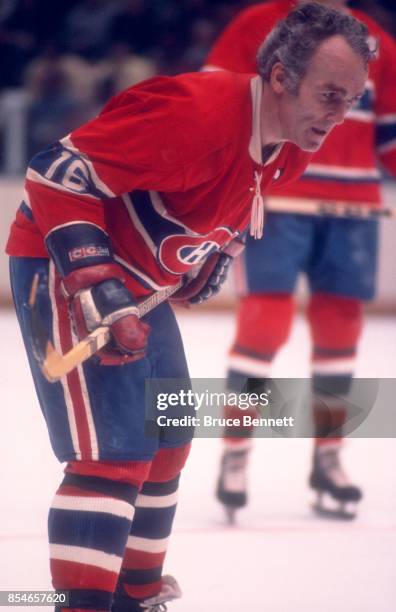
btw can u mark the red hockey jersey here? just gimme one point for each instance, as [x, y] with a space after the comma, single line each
[345, 168]
[167, 170]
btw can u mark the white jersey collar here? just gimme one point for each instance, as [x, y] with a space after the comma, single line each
[256, 145]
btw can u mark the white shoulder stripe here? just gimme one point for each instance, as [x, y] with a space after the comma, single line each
[86, 556]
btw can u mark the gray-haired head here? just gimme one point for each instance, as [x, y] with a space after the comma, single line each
[295, 39]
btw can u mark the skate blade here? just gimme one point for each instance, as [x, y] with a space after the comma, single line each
[332, 509]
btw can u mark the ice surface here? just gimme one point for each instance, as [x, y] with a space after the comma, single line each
[279, 558]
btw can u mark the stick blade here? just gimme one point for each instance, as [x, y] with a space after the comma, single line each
[39, 341]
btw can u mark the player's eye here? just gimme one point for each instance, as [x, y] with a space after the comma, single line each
[330, 96]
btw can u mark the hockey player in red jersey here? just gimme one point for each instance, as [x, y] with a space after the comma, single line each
[126, 205]
[337, 255]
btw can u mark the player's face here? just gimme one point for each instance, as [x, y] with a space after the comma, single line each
[333, 83]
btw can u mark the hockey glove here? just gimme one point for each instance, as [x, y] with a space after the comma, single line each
[93, 284]
[210, 277]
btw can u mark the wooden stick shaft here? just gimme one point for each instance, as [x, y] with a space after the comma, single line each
[327, 208]
[56, 365]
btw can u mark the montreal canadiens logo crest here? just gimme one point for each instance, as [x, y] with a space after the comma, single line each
[178, 254]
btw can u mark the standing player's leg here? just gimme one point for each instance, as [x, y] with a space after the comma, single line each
[263, 325]
[267, 273]
[96, 422]
[341, 277]
[141, 579]
[336, 324]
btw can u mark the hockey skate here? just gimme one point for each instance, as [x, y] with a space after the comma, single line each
[169, 590]
[337, 497]
[232, 482]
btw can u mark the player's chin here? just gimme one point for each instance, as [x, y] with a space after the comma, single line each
[311, 141]
[311, 144]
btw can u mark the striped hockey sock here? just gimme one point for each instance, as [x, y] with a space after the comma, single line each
[89, 523]
[140, 576]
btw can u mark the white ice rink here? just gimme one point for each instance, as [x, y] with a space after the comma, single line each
[280, 558]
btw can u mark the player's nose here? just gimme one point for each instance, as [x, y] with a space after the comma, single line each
[337, 115]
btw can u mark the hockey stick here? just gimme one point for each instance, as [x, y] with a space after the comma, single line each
[55, 365]
[327, 208]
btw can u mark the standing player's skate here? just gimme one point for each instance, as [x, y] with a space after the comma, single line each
[337, 497]
[170, 590]
[232, 482]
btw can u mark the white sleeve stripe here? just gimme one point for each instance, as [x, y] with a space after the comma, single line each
[365, 116]
[211, 68]
[68, 144]
[26, 199]
[389, 146]
[136, 272]
[352, 172]
[57, 227]
[35, 177]
[386, 119]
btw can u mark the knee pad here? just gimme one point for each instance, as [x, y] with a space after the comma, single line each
[168, 463]
[132, 472]
[336, 322]
[264, 322]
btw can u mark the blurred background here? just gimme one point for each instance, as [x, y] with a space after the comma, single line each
[61, 61]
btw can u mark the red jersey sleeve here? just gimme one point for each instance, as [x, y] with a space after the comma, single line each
[147, 138]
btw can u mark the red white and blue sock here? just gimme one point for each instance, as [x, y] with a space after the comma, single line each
[141, 571]
[89, 523]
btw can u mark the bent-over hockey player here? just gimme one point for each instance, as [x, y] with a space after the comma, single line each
[338, 256]
[162, 180]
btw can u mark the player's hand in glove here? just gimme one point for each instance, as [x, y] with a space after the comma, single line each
[107, 302]
[93, 283]
[210, 277]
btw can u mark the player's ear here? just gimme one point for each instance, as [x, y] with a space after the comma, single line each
[278, 78]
